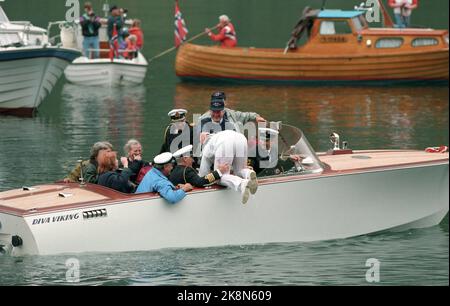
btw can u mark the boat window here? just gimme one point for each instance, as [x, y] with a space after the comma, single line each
[9, 39]
[293, 143]
[427, 41]
[3, 17]
[392, 42]
[335, 27]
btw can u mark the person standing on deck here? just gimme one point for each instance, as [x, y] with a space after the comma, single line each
[402, 11]
[90, 24]
[227, 34]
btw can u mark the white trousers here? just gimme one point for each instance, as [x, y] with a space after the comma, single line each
[227, 148]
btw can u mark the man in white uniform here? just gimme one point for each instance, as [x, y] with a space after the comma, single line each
[229, 148]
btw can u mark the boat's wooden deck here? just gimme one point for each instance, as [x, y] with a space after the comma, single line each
[375, 159]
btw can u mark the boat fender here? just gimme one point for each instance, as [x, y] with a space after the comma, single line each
[16, 241]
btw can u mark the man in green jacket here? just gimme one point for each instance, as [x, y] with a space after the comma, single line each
[219, 118]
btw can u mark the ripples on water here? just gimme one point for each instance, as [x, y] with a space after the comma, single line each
[408, 258]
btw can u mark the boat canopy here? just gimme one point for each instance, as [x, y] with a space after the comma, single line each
[339, 14]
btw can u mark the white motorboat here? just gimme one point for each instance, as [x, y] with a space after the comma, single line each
[102, 71]
[332, 195]
[106, 72]
[29, 66]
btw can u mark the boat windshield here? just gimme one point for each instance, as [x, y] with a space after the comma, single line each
[3, 17]
[295, 154]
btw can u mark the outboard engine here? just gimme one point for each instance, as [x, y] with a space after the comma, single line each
[68, 36]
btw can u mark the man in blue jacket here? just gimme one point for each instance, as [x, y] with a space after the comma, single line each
[156, 180]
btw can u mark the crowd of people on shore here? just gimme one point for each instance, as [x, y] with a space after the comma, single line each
[220, 155]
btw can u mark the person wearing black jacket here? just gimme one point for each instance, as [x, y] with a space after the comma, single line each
[90, 24]
[184, 173]
[111, 176]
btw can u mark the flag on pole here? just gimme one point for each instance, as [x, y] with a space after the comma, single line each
[114, 44]
[180, 27]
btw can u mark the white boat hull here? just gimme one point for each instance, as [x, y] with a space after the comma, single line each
[320, 207]
[104, 72]
[26, 81]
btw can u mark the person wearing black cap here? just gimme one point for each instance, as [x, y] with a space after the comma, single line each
[179, 133]
[184, 173]
[156, 180]
[220, 118]
[117, 19]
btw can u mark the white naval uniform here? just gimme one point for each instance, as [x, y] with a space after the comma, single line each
[227, 148]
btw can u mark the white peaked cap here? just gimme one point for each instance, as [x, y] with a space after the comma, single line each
[267, 130]
[183, 151]
[180, 111]
[163, 158]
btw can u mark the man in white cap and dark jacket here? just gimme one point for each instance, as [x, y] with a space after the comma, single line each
[156, 180]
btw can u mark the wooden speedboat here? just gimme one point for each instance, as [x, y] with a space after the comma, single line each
[334, 195]
[29, 66]
[340, 47]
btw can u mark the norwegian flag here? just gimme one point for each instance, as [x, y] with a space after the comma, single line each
[114, 44]
[180, 27]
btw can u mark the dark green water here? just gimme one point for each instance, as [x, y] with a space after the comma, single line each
[42, 149]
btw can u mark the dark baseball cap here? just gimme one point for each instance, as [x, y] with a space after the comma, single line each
[218, 101]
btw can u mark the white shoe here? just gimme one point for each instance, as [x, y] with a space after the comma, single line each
[245, 190]
[253, 183]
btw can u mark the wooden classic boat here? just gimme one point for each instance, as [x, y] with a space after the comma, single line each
[340, 47]
[334, 195]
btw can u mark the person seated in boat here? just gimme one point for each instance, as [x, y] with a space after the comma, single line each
[130, 49]
[220, 118]
[90, 25]
[109, 174]
[179, 133]
[157, 180]
[137, 31]
[264, 157]
[229, 148]
[116, 18]
[227, 34]
[89, 167]
[133, 151]
[184, 172]
[402, 11]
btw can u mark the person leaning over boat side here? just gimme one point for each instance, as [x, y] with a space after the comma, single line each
[115, 18]
[219, 118]
[229, 148]
[89, 166]
[133, 151]
[137, 31]
[227, 34]
[184, 173]
[90, 24]
[157, 180]
[109, 174]
[402, 11]
[179, 129]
